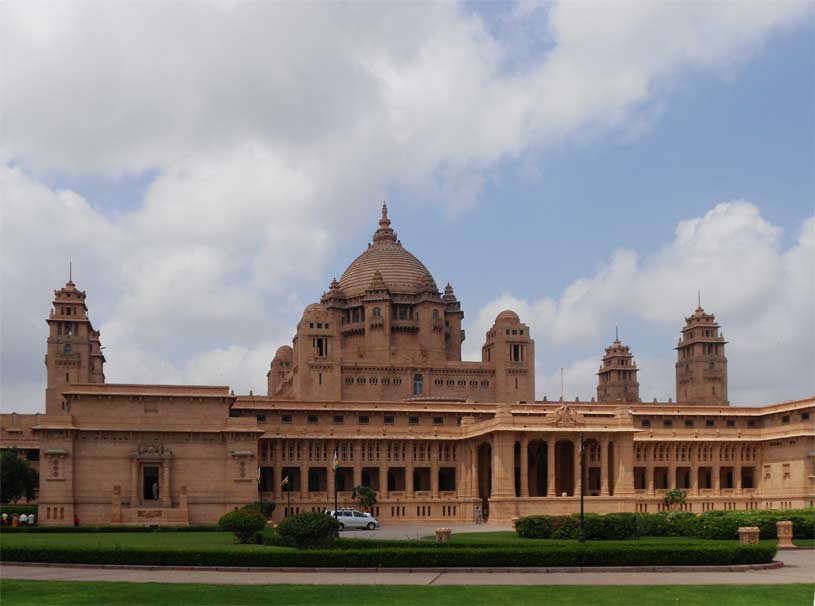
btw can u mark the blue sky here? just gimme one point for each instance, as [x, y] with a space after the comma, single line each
[527, 210]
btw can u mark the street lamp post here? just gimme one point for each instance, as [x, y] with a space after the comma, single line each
[288, 499]
[581, 538]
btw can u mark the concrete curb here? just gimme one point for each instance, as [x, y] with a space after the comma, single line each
[570, 569]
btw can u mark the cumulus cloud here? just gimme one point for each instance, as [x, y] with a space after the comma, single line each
[267, 125]
[762, 294]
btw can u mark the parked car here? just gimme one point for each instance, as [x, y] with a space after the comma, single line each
[351, 518]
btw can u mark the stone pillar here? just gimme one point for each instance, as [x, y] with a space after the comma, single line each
[525, 465]
[357, 463]
[672, 475]
[434, 469]
[604, 467]
[278, 471]
[694, 470]
[331, 475]
[409, 471]
[576, 491]
[717, 484]
[503, 465]
[164, 487]
[383, 471]
[304, 470]
[551, 483]
[624, 462]
[134, 483]
[116, 505]
[649, 470]
[737, 478]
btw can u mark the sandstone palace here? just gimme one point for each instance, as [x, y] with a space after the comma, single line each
[375, 373]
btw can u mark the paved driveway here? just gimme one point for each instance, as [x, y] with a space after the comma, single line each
[799, 567]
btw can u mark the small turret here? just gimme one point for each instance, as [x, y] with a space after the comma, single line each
[617, 377]
[701, 366]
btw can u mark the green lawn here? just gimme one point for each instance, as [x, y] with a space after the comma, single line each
[166, 540]
[83, 593]
[804, 542]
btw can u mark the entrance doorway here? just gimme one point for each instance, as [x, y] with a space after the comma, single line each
[150, 485]
[564, 468]
[485, 477]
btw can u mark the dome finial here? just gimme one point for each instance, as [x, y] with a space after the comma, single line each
[384, 233]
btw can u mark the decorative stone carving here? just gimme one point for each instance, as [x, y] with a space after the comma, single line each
[565, 416]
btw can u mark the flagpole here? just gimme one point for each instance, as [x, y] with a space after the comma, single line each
[335, 464]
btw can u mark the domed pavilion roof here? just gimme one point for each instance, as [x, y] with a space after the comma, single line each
[400, 270]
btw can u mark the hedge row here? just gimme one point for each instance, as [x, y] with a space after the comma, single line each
[597, 554]
[271, 538]
[18, 509]
[86, 529]
[709, 525]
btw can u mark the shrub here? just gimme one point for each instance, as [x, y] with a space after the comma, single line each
[18, 509]
[595, 554]
[309, 530]
[244, 523]
[617, 526]
[266, 508]
[102, 529]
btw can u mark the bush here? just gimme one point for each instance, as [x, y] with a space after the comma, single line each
[244, 523]
[709, 525]
[614, 526]
[18, 509]
[595, 554]
[266, 508]
[309, 530]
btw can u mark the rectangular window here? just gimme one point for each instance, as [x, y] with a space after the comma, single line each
[286, 419]
[688, 422]
[785, 419]
[516, 352]
[667, 423]
[364, 420]
[413, 420]
[66, 348]
[321, 346]
[646, 422]
[805, 416]
[339, 419]
[313, 419]
[261, 418]
[731, 423]
[389, 419]
[709, 422]
[438, 420]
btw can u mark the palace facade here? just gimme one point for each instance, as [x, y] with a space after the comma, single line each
[375, 373]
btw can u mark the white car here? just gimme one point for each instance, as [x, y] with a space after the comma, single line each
[351, 518]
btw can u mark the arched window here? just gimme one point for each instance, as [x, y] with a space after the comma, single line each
[418, 385]
[377, 312]
[435, 314]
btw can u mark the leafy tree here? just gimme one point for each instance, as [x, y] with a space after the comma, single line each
[675, 497]
[17, 478]
[365, 496]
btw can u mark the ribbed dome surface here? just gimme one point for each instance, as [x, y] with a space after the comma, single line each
[401, 271]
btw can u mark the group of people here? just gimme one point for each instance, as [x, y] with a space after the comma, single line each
[14, 520]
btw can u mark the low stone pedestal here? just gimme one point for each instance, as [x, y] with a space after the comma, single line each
[443, 535]
[748, 535]
[513, 522]
[784, 535]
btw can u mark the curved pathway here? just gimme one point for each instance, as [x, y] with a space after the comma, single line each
[799, 567]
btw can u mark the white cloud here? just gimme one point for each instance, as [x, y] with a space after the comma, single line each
[763, 295]
[269, 125]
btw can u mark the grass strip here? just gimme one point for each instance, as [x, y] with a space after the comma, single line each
[164, 594]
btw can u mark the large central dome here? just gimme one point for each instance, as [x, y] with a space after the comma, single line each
[400, 270]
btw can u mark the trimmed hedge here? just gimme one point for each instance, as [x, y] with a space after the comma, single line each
[309, 530]
[84, 529]
[709, 525]
[244, 523]
[596, 554]
[18, 509]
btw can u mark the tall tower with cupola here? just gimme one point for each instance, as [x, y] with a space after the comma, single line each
[701, 366]
[74, 352]
[617, 377]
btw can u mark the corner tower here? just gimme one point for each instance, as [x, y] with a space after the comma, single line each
[74, 352]
[617, 378]
[701, 366]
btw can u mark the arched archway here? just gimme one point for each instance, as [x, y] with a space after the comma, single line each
[538, 472]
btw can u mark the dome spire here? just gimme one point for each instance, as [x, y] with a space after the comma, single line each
[384, 233]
